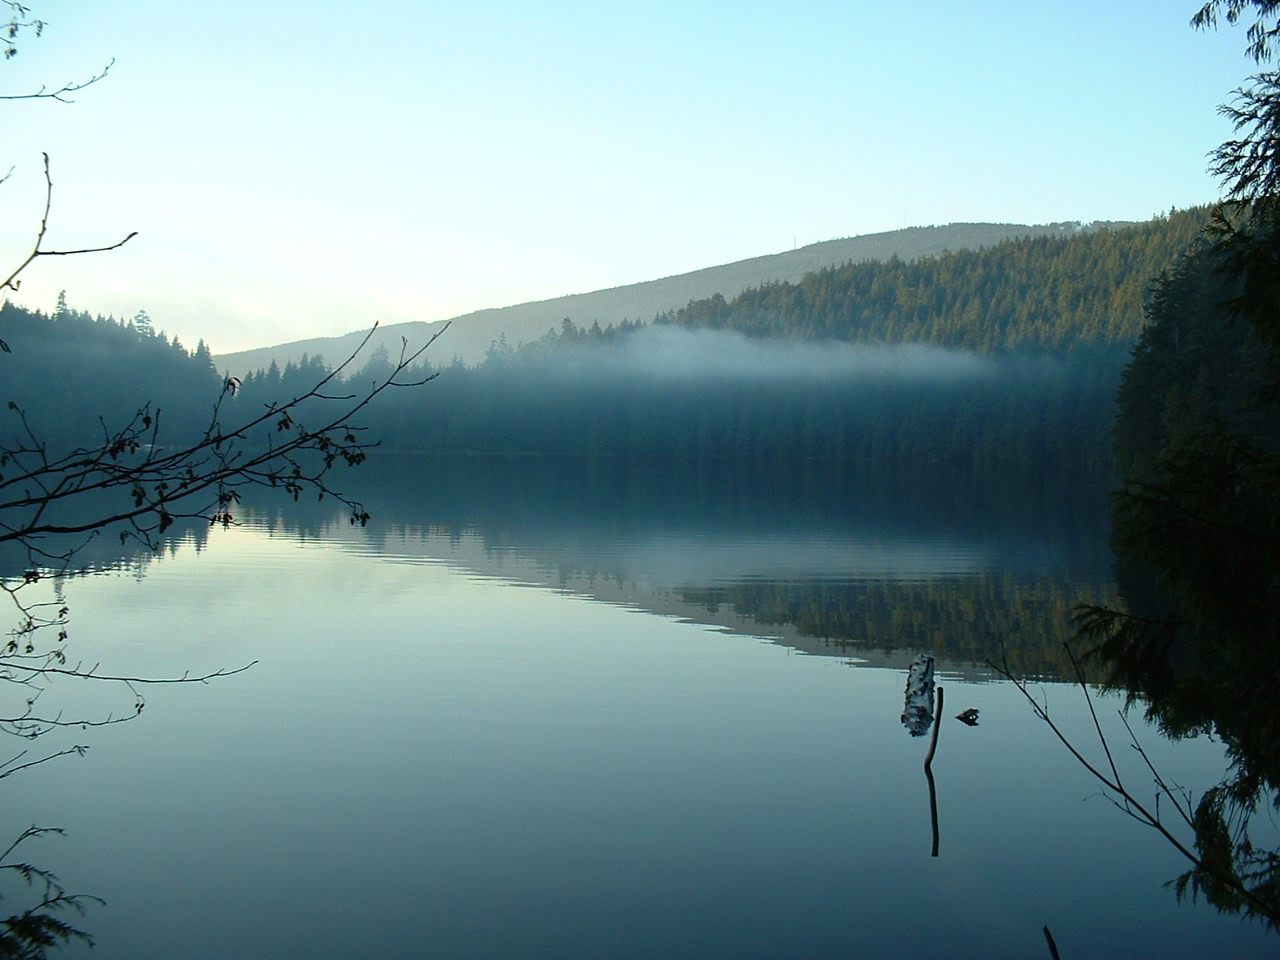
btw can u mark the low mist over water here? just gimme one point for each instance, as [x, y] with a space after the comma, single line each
[668, 352]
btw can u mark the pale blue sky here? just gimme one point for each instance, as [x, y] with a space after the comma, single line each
[304, 169]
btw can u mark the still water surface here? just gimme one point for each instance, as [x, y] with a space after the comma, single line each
[530, 716]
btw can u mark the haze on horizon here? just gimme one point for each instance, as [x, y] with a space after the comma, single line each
[307, 171]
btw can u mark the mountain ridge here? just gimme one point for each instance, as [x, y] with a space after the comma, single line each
[470, 335]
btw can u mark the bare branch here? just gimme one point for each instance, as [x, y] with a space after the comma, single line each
[12, 282]
[1125, 800]
[153, 485]
[8, 767]
[61, 93]
[92, 673]
[163, 484]
[1075, 664]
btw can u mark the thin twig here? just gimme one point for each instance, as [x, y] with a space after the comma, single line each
[1075, 664]
[12, 282]
[60, 94]
[91, 674]
[1132, 805]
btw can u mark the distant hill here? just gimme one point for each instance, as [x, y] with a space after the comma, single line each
[1083, 290]
[470, 335]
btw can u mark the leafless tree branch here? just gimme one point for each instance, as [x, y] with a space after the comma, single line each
[1124, 798]
[12, 282]
[61, 94]
[11, 766]
[141, 483]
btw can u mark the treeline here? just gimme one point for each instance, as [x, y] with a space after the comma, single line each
[1010, 354]
[636, 391]
[70, 374]
[659, 393]
[1055, 317]
[1049, 293]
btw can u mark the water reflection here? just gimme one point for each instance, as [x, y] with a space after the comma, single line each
[45, 695]
[465, 730]
[834, 559]
[1197, 646]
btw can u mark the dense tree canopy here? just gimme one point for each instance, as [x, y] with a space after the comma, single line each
[1082, 289]
[71, 374]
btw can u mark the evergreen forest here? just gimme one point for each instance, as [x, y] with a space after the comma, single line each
[1049, 293]
[1009, 355]
[83, 377]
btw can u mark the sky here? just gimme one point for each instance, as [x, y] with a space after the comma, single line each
[296, 169]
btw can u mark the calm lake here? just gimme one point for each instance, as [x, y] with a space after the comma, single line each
[609, 711]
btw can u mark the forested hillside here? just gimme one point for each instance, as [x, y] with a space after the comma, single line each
[1009, 355]
[75, 376]
[1046, 292]
[469, 335]
[1006, 355]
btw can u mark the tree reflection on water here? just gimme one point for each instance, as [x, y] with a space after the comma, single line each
[1199, 648]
